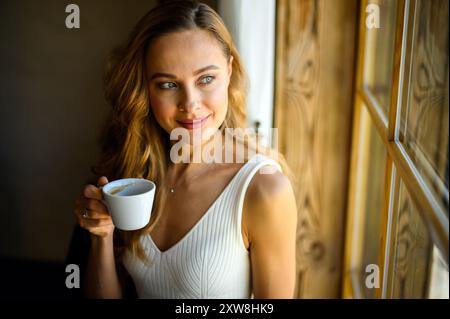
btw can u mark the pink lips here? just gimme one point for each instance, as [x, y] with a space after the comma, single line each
[193, 123]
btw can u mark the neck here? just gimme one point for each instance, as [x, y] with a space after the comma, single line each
[192, 153]
[180, 173]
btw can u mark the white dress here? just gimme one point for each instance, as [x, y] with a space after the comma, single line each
[211, 260]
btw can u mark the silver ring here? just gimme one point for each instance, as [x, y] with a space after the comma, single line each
[85, 213]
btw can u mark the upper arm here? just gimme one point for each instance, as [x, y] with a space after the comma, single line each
[270, 222]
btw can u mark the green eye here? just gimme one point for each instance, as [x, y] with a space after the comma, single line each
[207, 79]
[167, 85]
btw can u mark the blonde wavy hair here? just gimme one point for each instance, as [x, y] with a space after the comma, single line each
[133, 143]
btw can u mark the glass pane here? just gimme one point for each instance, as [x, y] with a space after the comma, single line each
[412, 250]
[424, 119]
[371, 170]
[379, 53]
[438, 288]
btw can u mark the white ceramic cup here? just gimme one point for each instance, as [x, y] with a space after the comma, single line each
[130, 202]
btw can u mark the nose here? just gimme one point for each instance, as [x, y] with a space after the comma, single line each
[190, 100]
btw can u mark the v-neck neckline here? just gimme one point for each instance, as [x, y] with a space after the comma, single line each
[196, 225]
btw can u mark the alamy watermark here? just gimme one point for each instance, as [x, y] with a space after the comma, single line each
[373, 16]
[372, 276]
[245, 143]
[372, 19]
[73, 19]
[73, 279]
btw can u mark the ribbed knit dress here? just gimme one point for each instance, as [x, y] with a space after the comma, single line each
[211, 260]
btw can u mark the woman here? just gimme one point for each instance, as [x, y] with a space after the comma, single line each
[218, 230]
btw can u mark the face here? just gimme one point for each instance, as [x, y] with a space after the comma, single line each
[188, 77]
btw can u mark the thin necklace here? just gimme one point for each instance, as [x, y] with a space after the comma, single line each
[173, 188]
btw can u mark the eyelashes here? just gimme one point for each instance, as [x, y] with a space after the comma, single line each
[204, 81]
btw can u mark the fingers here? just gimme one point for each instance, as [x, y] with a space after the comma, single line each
[96, 209]
[94, 222]
[102, 231]
[93, 192]
[91, 213]
[90, 223]
[102, 181]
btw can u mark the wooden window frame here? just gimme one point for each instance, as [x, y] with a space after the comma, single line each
[399, 166]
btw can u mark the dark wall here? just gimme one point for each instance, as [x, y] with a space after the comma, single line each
[51, 110]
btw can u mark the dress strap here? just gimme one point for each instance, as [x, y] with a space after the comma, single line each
[257, 164]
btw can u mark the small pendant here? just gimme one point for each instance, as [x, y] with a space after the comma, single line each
[172, 190]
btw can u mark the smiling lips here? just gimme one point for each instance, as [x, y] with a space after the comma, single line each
[193, 123]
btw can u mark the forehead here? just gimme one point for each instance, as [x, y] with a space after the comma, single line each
[184, 51]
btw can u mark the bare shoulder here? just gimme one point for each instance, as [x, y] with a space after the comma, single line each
[264, 188]
[269, 204]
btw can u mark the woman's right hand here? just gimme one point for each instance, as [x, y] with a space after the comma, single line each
[91, 212]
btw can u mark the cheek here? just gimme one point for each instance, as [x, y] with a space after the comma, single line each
[217, 101]
[163, 109]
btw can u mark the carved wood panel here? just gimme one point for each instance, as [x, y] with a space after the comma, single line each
[313, 108]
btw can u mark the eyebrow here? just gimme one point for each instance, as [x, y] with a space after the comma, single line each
[167, 75]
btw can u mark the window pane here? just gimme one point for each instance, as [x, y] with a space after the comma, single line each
[371, 170]
[439, 277]
[379, 53]
[412, 250]
[424, 119]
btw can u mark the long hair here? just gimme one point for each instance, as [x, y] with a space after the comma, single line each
[133, 143]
